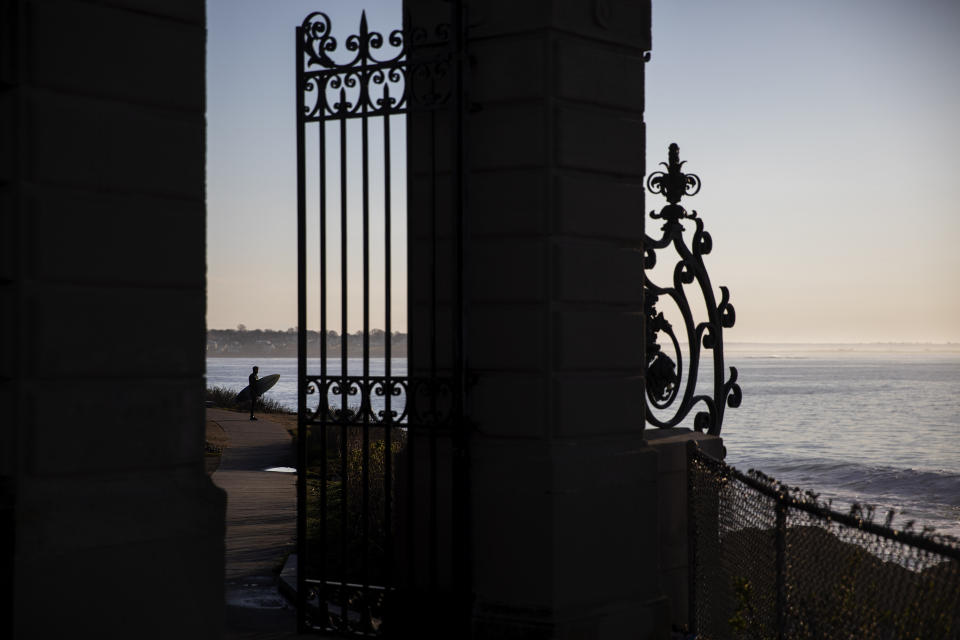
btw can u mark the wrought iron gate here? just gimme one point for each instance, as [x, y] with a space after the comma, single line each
[382, 500]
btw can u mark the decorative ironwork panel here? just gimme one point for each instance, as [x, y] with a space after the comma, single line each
[666, 376]
[377, 77]
[415, 402]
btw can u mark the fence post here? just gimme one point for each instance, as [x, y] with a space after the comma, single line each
[691, 540]
[781, 549]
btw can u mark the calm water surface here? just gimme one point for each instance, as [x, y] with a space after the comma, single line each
[880, 428]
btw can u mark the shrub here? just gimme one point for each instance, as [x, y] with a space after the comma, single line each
[226, 398]
[350, 441]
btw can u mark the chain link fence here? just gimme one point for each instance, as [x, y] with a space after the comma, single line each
[770, 561]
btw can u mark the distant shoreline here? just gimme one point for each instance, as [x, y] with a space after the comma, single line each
[771, 349]
[257, 343]
[332, 355]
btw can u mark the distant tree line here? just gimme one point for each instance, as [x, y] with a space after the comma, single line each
[268, 342]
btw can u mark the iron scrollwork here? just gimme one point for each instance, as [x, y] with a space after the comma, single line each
[355, 400]
[368, 83]
[665, 374]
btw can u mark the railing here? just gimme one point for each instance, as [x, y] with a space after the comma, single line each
[771, 561]
[665, 375]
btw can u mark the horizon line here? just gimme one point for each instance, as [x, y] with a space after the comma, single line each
[727, 342]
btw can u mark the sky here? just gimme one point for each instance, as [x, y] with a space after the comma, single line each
[251, 160]
[824, 132]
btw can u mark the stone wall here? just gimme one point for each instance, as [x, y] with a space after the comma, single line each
[673, 541]
[564, 521]
[118, 531]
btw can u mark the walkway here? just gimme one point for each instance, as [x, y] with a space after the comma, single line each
[261, 523]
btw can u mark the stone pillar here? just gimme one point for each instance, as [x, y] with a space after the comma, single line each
[117, 530]
[564, 499]
[565, 513]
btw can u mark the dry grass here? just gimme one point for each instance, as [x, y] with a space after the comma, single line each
[224, 398]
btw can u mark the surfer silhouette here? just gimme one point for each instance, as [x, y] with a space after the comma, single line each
[253, 390]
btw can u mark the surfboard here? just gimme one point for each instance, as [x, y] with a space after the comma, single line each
[263, 384]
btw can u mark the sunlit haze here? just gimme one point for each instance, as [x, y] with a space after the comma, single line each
[824, 133]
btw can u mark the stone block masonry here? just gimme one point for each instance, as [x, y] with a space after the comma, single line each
[116, 530]
[563, 484]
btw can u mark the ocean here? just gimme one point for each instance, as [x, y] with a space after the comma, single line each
[876, 425]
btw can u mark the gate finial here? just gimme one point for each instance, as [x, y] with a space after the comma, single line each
[674, 184]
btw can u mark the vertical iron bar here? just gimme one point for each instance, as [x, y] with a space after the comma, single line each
[323, 251]
[365, 159]
[411, 493]
[345, 384]
[433, 250]
[301, 340]
[781, 548]
[322, 391]
[432, 536]
[343, 256]
[388, 385]
[460, 535]
[691, 540]
[434, 385]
